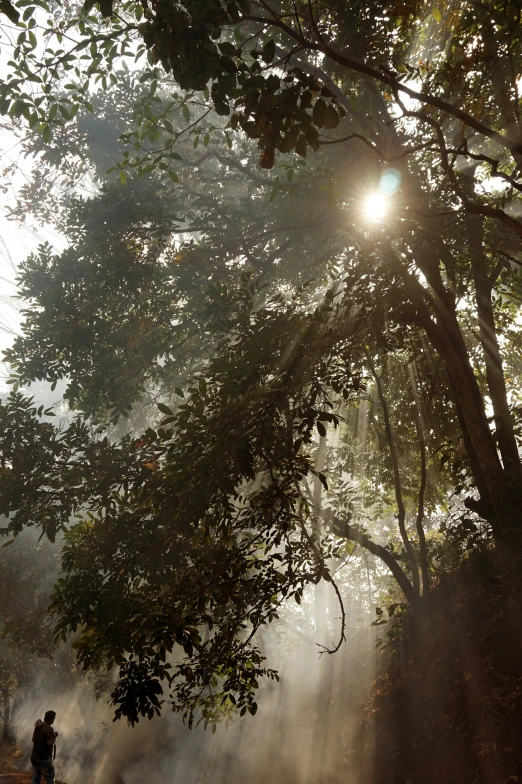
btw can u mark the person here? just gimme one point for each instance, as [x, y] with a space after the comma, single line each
[44, 738]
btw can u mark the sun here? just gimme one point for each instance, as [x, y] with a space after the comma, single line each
[375, 206]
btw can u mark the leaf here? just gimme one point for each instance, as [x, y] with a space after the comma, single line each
[266, 161]
[9, 10]
[123, 177]
[301, 147]
[227, 48]
[50, 531]
[331, 118]
[105, 7]
[268, 52]
[186, 112]
[437, 14]
[165, 409]
[321, 429]
[323, 481]
[318, 112]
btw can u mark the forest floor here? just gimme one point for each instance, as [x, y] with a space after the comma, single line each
[10, 756]
[18, 777]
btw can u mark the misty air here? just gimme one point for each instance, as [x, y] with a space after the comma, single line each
[260, 392]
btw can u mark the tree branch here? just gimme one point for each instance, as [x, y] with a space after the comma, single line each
[390, 80]
[422, 489]
[342, 636]
[401, 510]
[343, 529]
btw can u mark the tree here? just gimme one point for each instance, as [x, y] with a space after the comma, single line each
[417, 308]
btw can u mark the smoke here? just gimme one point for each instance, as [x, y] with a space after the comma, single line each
[307, 728]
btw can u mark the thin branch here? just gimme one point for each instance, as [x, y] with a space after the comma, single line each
[422, 488]
[464, 152]
[471, 207]
[228, 162]
[78, 47]
[401, 509]
[342, 636]
[343, 529]
[390, 80]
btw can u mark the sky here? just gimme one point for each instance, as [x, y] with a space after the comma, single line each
[17, 241]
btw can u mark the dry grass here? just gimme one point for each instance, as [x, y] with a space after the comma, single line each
[10, 756]
[19, 777]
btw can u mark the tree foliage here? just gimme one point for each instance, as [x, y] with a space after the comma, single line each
[186, 283]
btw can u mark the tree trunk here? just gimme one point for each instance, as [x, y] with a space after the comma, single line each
[488, 337]
[503, 85]
[7, 732]
[499, 503]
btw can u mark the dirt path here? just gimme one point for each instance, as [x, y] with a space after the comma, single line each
[10, 756]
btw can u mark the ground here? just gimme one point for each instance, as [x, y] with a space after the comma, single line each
[9, 758]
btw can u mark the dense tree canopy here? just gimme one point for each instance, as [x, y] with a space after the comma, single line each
[324, 379]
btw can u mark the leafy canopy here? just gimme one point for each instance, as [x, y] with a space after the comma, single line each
[264, 470]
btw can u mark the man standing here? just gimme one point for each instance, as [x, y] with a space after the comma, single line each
[42, 755]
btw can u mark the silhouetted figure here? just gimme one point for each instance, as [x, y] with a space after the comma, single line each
[44, 738]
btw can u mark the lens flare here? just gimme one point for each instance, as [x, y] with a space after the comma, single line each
[375, 206]
[390, 182]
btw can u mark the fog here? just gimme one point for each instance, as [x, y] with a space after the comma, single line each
[307, 730]
[260, 334]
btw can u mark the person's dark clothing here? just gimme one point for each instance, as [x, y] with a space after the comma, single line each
[41, 749]
[43, 768]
